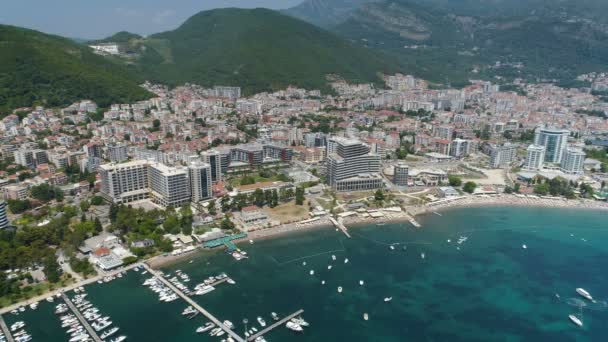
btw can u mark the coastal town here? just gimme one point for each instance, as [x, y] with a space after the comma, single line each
[89, 191]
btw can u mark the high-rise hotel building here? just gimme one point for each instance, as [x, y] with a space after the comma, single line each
[352, 167]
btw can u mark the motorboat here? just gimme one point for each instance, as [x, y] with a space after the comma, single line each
[261, 321]
[388, 299]
[584, 293]
[576, 320]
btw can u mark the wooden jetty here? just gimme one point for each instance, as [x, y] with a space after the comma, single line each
[275, 325]
[340, 225]
[194, 304]
[81, 318]
[7, 333]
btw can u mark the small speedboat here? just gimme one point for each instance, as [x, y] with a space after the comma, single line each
[361, 282]
[584, 293]
[365, 316]
[339, 289]
[388, 299]
[576, 320]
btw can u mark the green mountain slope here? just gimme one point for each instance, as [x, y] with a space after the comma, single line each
[257, 49]
[119, 37]
[446, 40]
[36, 68]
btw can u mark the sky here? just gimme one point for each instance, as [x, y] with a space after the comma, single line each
[94, 19]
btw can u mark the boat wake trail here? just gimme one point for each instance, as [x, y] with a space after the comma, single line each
[600, 305]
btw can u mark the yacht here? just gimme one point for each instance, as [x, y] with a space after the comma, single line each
[204, 290]
[346, 261]
[274, 316]
[388, 299]
[293, 326]
[34, 306]
[205, 327]
[365, 316]
[300, 321]
[109, 333]
[329, 267]
[228, 324]
[312, 272]
[422, 255]
[322, 282]
[339, 289]
[231, 281]
[261, 321]
[584, 293]
[260, 339]
[575, 320]
[524, 246]
[333, 257]
[361, 282]
[119, 339]
[304, 263]
[392, 248]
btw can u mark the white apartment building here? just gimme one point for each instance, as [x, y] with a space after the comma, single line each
[573, 161]
[535, 157]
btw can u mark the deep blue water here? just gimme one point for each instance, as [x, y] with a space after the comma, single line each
[491, 289]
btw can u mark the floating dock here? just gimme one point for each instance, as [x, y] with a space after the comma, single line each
[82, 320]
[340, 225]
[7, 333]
[223, 240]
[194, 304]
[275, 325]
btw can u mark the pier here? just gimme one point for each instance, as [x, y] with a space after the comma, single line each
[7, 333]
[276, 324]
[194, 304]
[81, 318]
[413, 221]
[340, 225]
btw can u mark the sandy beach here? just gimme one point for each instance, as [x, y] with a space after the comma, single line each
[503, 200]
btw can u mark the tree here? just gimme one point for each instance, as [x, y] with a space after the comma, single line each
[227, 224]
[469, 187]
[52, 270]
[84, 206]
[454, 180]
[211, 208]
[299, 196]
[96, 200]
[379, 195]
[516, 188]
[46, 192]
[171, 224]
[259, 197]
[541, 189]
[275, 198]
[186, 219]
[156, 123]
[98, 226]
[225, 203]
[18, 206]
[113, 212]
[508, 189]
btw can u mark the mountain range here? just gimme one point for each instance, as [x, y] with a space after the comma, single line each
[444, 41]
[454, 40]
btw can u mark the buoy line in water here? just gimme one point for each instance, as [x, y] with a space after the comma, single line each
[390, 243]
[310, 256]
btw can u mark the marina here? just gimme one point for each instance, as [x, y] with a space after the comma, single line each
[5, 331]
[279, 323]
[83, 321]
[195, 305]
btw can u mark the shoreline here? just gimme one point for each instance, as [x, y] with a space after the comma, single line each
[473, 202]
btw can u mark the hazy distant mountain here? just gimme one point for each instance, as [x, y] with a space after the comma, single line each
[446, 40]
[37, 68]
[325, 13]
[258, 49]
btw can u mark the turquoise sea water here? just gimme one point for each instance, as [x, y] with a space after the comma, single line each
[491, 289]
